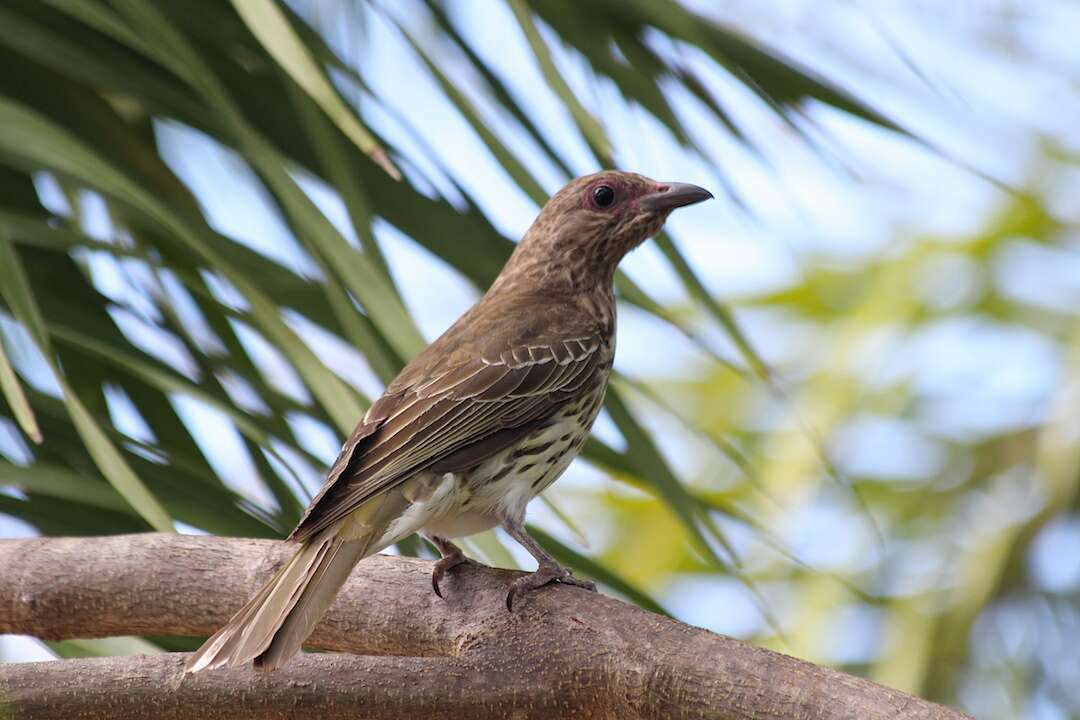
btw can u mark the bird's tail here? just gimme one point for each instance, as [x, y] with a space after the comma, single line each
[271, 627]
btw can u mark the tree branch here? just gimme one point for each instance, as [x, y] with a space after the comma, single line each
[563, 652]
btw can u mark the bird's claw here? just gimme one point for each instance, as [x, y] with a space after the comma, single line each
[442, 565]
[544, 575]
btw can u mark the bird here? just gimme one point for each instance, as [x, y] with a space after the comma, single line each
[479, 423]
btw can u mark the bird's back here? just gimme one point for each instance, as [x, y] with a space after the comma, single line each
[508, 367]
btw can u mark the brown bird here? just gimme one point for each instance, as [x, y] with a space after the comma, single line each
[478, 424]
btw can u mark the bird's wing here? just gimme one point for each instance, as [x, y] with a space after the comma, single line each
[470, 407]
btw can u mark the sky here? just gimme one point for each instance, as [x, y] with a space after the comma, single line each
[984, 93]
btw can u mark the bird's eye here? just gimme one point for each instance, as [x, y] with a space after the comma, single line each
[603, 196]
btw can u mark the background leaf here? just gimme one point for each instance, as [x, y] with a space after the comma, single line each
[844, 408]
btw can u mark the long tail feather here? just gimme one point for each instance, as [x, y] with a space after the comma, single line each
[313, 602]
[272, 625]
[251, 631]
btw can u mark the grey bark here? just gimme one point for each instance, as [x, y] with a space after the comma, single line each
[563, 652]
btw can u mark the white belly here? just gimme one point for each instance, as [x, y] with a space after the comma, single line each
[503, 485]
[459, 524]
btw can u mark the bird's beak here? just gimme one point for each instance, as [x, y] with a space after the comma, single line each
[674, 195]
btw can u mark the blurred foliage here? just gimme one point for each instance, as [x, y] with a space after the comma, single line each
[123, 306]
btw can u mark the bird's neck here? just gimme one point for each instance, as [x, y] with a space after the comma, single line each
[534, 275]
[547, 262]
[555, 277]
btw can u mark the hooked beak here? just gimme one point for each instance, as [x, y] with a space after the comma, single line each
[674, 195]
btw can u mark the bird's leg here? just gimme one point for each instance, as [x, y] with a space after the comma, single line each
[451, 557]
[549, 569]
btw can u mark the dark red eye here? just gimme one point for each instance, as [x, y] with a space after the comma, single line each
[603, 196]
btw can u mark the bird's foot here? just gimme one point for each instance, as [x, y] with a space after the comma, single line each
[546, 573]
[444, 564]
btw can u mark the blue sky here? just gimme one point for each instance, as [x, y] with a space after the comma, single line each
[942, 72]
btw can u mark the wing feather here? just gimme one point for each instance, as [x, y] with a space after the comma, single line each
[458, 415]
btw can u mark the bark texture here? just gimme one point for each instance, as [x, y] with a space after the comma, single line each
[563, 652]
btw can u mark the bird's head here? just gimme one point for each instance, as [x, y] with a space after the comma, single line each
[589, 225]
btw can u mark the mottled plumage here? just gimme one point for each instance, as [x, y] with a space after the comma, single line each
[478, 424]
